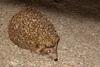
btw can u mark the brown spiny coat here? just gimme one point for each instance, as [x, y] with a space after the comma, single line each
[30, 29]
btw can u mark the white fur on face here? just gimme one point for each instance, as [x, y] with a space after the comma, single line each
[50, 52]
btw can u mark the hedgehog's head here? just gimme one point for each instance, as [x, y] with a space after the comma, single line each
[50, 52]
[50, 49]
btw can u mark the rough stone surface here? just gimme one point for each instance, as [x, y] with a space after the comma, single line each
[79, 45]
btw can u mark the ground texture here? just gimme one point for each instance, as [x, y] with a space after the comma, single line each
[78, 25]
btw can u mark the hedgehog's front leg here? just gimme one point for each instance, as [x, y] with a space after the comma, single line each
[39, 50]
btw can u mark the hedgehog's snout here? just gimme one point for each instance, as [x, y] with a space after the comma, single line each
[56, 59]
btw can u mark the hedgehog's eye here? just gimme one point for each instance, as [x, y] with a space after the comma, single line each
[49, 51]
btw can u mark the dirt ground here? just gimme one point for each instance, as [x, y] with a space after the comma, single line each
[78, 25]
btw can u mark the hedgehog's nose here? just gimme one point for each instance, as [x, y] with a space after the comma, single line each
[56, 59]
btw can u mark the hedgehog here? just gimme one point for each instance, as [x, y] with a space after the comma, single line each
[32, 30]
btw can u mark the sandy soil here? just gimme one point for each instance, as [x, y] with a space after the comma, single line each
[78, 28]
